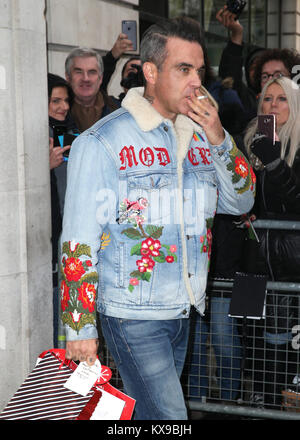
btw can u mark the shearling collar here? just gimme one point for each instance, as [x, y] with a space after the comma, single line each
[148, 119]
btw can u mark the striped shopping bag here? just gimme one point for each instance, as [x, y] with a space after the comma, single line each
[43, 396]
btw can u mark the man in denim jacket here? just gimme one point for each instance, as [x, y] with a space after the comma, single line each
[144, 184]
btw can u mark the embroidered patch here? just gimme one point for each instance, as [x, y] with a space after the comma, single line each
[149, 249]
[199, 154]
[105, 240]
[206, 240]
[78, 286]
[241, 169]
[131, 212]
[198, 137]
[131, 156]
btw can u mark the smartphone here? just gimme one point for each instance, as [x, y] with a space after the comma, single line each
[62, 139]
[129, 28]
[266, 126]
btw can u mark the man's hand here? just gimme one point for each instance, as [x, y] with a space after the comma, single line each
[206, 115]
[122, 45]
[85, 350]
[227, 19]
[56, 154]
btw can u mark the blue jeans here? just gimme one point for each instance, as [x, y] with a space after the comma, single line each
[150, 356]
[226, 343]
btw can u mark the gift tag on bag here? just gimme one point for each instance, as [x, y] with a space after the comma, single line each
[84, 377]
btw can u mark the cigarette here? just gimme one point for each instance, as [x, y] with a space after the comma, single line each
[202, 97]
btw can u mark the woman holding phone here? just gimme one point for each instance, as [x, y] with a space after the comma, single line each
[277, 168]
[59, 99]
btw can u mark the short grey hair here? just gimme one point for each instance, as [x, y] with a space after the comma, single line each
[83, 52]
[154, 40]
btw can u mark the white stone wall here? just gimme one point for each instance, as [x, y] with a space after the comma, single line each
[289, 28]
[25, 227]
[290, 34]
[90, 23]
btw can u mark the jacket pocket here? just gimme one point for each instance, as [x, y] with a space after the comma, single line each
[208, 181]
[149, 182]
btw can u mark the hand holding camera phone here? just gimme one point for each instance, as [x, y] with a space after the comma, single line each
[265, 146]
[236, 7]
[62, 139]
[266, 126]
[129, 28]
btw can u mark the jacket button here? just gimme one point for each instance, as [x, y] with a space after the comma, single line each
[184, 312]
[166, 128]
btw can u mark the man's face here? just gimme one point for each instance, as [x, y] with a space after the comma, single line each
[273, 69]
[85, 79]
[178, 78]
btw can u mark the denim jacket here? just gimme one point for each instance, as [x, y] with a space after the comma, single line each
[141, 196]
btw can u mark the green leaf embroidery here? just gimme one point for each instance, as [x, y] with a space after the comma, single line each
[136, 274]
[145, 276]
[132, 233]
[161, 258]
[154, 231]
[136, 250]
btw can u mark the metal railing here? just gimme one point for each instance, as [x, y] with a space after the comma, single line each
[245, 367]
[249, 376]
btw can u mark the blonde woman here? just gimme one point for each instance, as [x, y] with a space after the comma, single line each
[277, 168]
[279, 164]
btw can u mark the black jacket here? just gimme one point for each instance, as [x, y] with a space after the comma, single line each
[278, 253]
[231, 65]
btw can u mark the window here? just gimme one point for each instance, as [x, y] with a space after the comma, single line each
[253, 19]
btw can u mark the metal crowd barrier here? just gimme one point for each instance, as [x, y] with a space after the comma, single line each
[236, 366]
[245, 376]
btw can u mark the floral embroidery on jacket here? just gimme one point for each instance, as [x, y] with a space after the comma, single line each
[78, 286]
[105, 240]
[150, 250]
[131, 212]
[241, 169]
[206, 240]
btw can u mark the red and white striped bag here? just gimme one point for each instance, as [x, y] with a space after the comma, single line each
[43, 396]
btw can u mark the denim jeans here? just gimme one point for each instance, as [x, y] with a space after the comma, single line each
[227, 348]
[150, 356]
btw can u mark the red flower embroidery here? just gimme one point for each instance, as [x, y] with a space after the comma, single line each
[169, 259]
[87, 295]
[134, 281]
[145, 264]
[64, 295]
[241, 166]
[150, 247]
[209, 241]
[73, 269]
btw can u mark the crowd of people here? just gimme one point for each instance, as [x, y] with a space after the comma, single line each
[175, 128]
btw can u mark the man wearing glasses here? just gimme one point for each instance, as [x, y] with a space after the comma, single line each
[275, 63]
